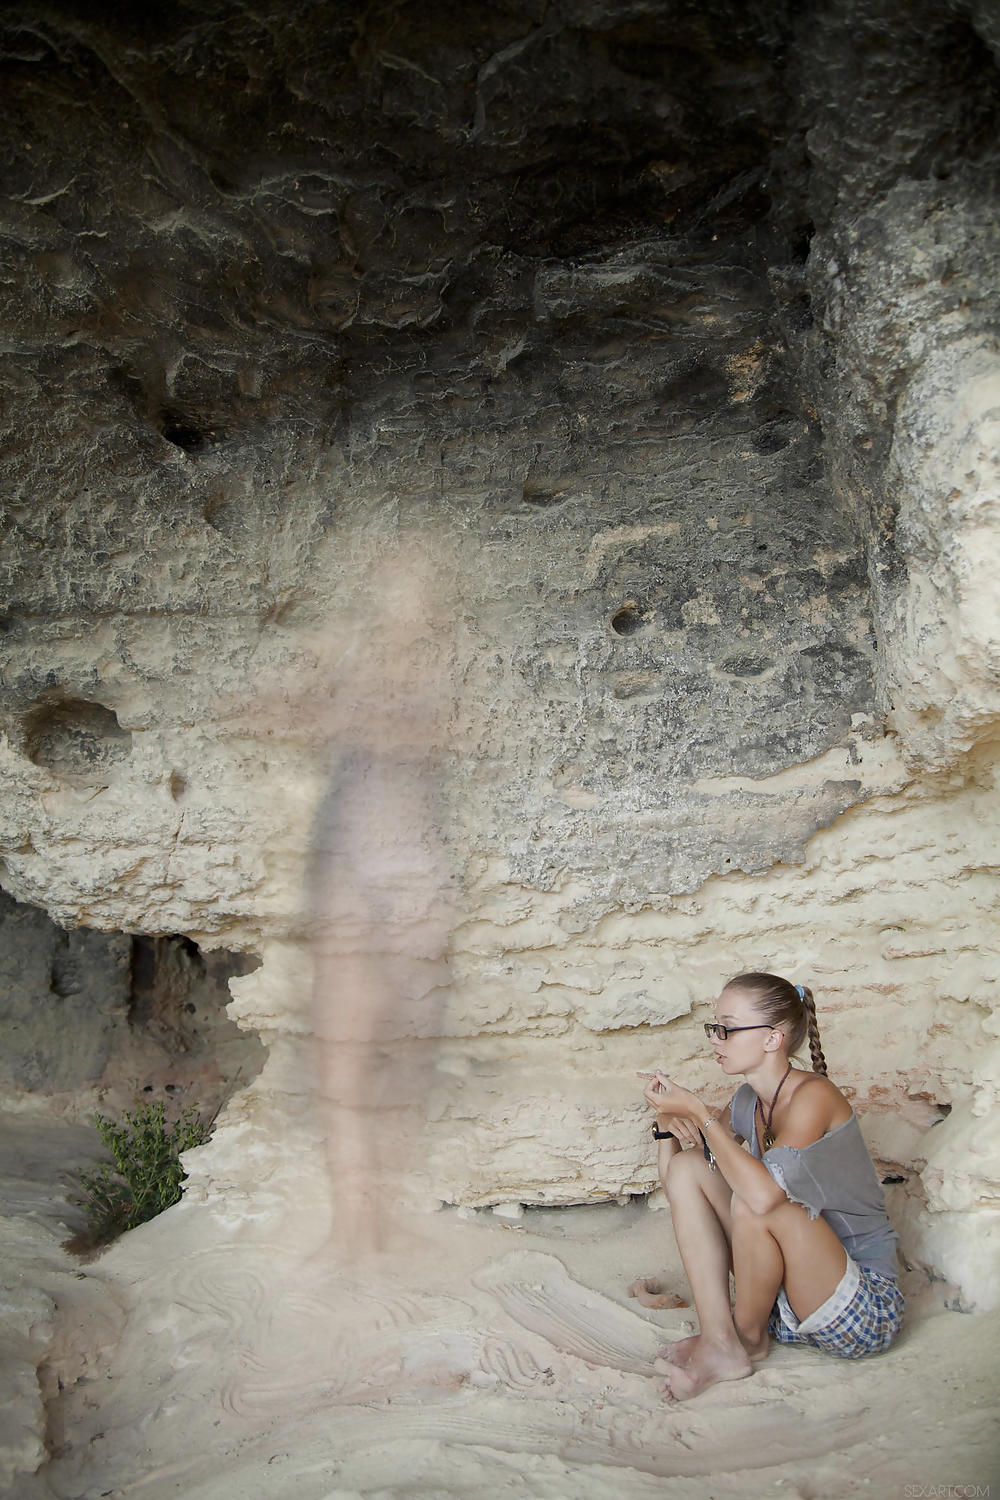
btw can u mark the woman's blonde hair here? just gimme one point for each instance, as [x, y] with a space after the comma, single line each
[790, 1008]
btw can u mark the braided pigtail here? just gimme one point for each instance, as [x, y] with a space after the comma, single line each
[815, 1050]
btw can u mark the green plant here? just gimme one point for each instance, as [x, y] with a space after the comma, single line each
[146, 1174]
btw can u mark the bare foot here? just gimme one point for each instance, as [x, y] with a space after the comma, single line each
[651, 1292]
[681, 1351]
[710, 1364]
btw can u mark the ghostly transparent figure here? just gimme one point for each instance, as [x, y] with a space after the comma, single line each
[382, 891]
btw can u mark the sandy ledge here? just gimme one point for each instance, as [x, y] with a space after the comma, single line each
[207, 1361]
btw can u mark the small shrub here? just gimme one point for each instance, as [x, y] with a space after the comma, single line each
[146, 1174]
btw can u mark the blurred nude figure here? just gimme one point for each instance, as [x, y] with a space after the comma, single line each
[381, 890]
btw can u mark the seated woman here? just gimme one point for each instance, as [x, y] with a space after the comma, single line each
[798, 1217]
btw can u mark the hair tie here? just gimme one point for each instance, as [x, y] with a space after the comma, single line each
[800, 992]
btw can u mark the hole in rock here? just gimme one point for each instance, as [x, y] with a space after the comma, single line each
[101, 1018]
[223, 180]
[628, 619]
[771, 439]
[223, 515]
[580, 1221]
[542, 492]
[746, 666]
[802, 240]
[183, 435]
[74, 737]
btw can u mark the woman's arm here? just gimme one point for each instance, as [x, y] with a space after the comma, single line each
[805, 1122]
[745, 1174]
[684, 1129]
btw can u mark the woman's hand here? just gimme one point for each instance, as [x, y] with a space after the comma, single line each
[676, 1108]
[685, 1132]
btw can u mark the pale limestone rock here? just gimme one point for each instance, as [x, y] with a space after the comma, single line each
[943, 635]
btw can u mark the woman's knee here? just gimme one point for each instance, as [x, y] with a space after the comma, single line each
[687, 1169]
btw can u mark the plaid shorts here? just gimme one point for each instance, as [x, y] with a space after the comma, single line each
[862, 1316]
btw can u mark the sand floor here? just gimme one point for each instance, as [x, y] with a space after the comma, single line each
[206, 1359]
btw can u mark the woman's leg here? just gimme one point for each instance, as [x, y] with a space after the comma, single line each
[653, 1291]
[700, 1206]
[781, 1248]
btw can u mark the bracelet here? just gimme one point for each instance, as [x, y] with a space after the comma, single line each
[707, 1150]
[709, 1157]
[662, 1135]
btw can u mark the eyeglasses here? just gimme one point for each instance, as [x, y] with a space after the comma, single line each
[715, 1028]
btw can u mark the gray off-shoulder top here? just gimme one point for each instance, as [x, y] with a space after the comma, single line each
[835, 1178]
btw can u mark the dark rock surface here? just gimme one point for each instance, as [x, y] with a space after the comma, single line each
[64, 999]
[609, 290]
[104, 1018]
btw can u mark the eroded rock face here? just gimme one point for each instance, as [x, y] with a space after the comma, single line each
[577, 361]
[102, 1019]
[65, 1001]
[669, 330]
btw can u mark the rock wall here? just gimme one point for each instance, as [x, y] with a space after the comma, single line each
[668, 333]
[65, 999]
[95, 1020]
